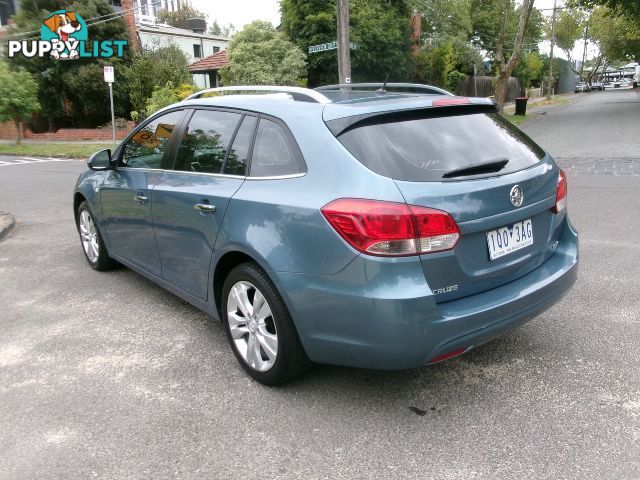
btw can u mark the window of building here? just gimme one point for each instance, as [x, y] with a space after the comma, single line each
[197, 51]
[216, 49]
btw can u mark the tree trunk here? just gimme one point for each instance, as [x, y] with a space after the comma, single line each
[18, 124]
[502, 85]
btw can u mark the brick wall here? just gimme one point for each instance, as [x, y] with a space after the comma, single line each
[8, 132]
[130, 22]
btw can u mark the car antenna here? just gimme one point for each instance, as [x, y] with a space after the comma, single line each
[382, 89]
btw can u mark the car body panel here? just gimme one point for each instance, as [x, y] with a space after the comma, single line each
[381, 313]
[186, 236]
[126, 199]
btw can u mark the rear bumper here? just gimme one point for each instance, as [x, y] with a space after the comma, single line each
[380, 313]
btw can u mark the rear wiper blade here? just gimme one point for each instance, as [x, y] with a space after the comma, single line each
[487, 167]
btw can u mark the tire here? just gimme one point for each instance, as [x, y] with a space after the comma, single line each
[252, 341]
[91, 242]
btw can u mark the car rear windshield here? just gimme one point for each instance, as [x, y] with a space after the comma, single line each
[424, 147]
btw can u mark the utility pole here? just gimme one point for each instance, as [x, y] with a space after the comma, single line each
[553, 41]
[584, 53]
[344, 52]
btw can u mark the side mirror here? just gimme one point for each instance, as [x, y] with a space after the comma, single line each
[100, 160]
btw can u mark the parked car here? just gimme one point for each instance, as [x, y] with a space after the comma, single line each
[597, 86]
[582, 87]
[373, 229]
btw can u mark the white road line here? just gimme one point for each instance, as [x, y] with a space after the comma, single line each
[23, 160]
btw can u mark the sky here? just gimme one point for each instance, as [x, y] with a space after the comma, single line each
[241, 12]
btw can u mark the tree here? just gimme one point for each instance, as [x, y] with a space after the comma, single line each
[179, 17]
[260, 55]
[505, 67]
[380, 28]
[18, 97]
[155, 68]
[445, 61]
[167, 95]
[64, 98]
[617, 37]
[630, 8]
[617, 34]
[571, 26]
[224, 30]
[530, 69]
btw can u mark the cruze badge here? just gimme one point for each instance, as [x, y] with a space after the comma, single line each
[516, 196]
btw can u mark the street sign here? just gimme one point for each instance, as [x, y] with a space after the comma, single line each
[109, 77]
[108, 74]
[329, 46]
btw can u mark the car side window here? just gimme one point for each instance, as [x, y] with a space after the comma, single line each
[147, 146]
[206, 141]
[236, 163]
[273, 154]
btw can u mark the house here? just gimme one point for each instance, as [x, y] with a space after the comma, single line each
[205, 71]
[146, 10]
[195, 43]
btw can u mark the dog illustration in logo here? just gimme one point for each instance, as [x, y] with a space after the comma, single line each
[63, 25]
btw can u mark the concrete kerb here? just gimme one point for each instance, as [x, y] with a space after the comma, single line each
[7, 221]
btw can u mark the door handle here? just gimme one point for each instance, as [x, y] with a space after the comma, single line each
[205, 207]
[140, 198]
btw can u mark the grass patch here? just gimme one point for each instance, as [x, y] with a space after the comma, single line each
[56, 150]
[516, 119]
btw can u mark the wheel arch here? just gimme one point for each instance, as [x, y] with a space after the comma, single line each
[227, 262]
[78, 198]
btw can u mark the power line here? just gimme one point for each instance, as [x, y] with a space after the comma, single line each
[90, 21]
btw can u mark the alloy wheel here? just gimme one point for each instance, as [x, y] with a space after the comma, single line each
[89, 236]
[251, 326]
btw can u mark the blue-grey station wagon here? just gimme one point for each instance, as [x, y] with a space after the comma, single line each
[379, 227]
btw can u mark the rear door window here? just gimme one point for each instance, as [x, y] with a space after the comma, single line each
[423, 148]
[273, 153]
[206, 140]
[236, 163]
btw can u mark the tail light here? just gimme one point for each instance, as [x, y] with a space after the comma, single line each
[561, 195]
[391, 229]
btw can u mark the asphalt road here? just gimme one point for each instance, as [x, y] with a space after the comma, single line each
[105, 375]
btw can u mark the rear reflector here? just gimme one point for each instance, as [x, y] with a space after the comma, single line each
[445, 356]
[391, 229]
[561, 195]
[445, 102]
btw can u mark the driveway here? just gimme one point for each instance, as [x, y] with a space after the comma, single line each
[105, 375]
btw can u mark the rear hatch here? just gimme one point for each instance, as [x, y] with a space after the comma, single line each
[470, 162]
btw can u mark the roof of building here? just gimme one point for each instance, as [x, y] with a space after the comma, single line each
[212, 62]
[162, 29]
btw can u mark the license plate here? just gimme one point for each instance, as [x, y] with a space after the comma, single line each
[506, 240]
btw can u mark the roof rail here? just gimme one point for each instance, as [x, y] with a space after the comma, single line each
[297, 93]
[416, 87]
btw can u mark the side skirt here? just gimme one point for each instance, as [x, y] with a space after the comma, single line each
[187, 297]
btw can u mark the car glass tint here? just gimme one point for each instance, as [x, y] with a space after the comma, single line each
[205, 141]
[272, 153]
[146, 147]
[236, 163]
[425, 149]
